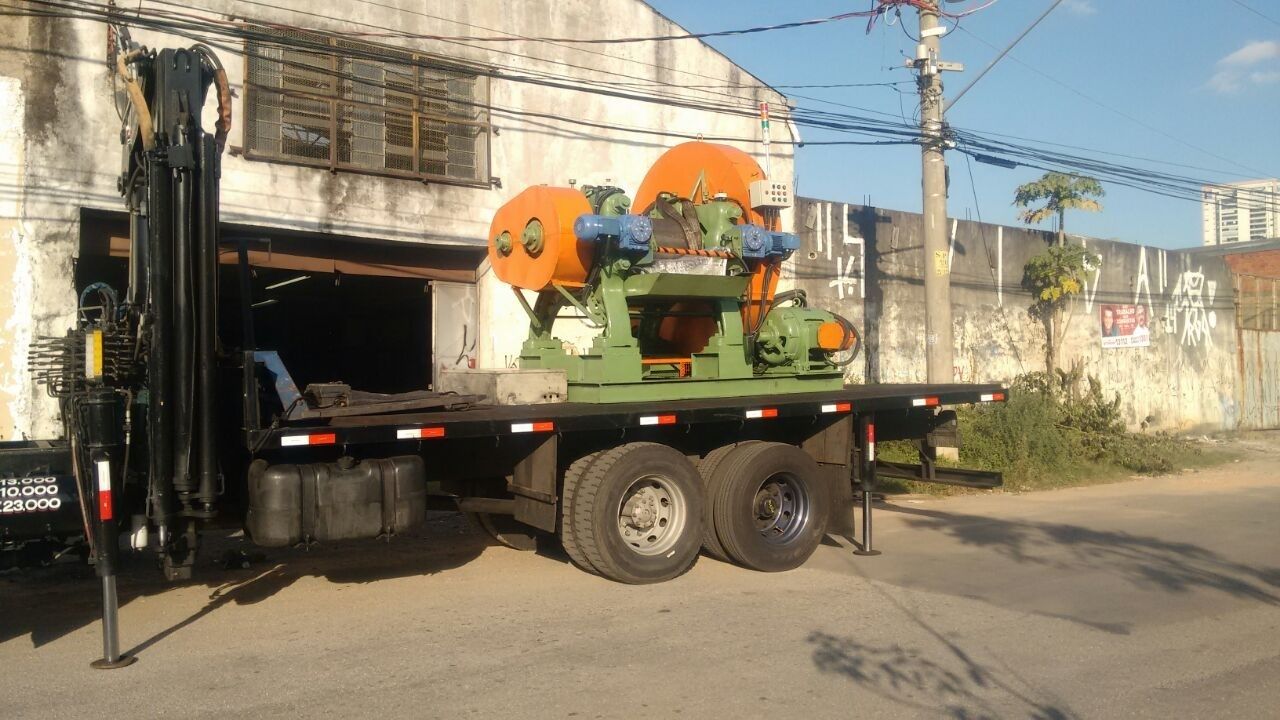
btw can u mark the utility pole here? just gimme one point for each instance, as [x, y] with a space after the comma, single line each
[939, 341]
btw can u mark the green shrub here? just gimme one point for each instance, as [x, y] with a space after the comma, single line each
[1055, 430]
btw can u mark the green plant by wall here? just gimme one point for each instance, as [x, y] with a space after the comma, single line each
[1057, 429]
[1053, 195]
[1054, 278]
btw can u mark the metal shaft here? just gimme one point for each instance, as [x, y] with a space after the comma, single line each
[110, 618]
[937, 270]
[866, 521]
[206, 263]
[866, 478]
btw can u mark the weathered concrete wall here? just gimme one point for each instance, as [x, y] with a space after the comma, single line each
[867, 263]
[60, 151]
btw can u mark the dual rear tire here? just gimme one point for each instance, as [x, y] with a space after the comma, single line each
[639, 513]
[766, 505]
[632, 513]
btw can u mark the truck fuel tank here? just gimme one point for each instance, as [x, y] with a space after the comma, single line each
[345, 500]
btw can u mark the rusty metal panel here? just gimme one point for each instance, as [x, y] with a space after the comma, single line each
[1260, 381]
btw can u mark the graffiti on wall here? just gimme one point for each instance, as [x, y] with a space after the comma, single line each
[1191, 308]
[833, 243]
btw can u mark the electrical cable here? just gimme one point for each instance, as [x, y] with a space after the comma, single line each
[893, 132]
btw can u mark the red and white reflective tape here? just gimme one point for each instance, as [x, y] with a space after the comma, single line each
[837, 407]
[924, 402]
[104, 490]
[657, 419]
[316, 439]
[545, 426]
[991, 397]
[762, 413]
[419, 433]
[871, 442]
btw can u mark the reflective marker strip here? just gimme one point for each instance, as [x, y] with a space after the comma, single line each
[419, 433]
[924, 402]
[837, 407]
[871, 442]
[657, 419]
[992, 397]
[762, 413]
[104, 490]
[547, 426]
[321, 439]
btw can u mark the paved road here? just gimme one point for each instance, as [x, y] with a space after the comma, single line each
[1154, 598]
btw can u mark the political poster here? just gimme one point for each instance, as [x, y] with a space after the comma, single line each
[1124, 326]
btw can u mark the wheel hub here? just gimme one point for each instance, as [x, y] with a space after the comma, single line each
[643, 509]
[652, 515]
[781, 508]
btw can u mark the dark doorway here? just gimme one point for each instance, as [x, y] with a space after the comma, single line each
[372, 333]
[369, 330]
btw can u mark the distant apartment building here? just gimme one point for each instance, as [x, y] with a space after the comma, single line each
[1242, 211]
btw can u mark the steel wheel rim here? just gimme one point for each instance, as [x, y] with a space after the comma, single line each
[652, 515]
[781, 508]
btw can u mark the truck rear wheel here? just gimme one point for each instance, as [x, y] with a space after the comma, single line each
[636, 513]
[707, 468]
[770, 506]
[568, 537]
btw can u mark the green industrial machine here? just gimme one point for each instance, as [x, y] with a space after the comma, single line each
[681, 293]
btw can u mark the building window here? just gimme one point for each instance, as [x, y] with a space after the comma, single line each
[366, 109]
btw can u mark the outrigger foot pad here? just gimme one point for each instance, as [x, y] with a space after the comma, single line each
[105, 664]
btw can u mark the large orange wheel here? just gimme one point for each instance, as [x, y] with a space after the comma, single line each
[559, 257]
[701, 170]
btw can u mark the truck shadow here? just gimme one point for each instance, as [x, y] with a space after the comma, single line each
[1148, 563]
[48, 603]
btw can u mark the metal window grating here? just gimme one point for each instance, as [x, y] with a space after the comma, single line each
[399, 114]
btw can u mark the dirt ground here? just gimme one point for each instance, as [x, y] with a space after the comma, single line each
[1156, 597]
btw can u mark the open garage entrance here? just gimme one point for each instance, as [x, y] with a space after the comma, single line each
[336, 309]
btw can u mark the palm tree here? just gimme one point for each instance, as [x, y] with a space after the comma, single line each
[1053, 195]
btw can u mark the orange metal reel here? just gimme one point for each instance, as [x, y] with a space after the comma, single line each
[699, 171]
[561, 258]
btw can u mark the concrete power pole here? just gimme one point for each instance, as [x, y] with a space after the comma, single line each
[939, 341]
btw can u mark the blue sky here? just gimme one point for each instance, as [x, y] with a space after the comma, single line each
[1203, 74]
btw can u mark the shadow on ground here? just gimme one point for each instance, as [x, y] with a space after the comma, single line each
[1148, 563]
[48, 603]
[953, 686]
[944, 681]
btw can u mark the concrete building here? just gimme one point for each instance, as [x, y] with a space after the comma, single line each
[366, 205]
[1241, 212]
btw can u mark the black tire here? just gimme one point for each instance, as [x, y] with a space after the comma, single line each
[707, 469]
[663, 489]
[568, 537]
[505, 530]
[779, 535]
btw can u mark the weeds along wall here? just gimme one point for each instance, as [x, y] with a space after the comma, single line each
[868, 264]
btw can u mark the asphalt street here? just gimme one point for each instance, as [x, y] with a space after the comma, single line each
[1153, 598]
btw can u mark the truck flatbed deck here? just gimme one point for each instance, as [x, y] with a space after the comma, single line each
[495, 420]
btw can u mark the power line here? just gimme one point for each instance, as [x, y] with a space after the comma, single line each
[1121, 113]
[999, 57]
[1256, 12]
[884, 132]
